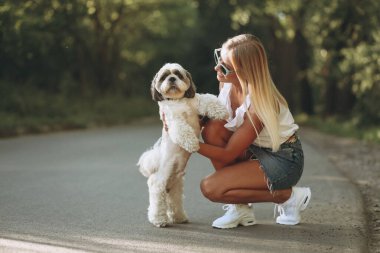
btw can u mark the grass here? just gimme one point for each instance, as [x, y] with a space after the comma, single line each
[43, 113]
[341, 127]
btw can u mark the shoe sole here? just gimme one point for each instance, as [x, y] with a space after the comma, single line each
[244, 222]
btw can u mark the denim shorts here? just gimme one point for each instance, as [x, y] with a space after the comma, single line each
[283, 169]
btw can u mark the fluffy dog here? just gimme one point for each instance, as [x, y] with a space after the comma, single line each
[164, 164]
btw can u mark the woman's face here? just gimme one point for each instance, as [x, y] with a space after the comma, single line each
[225, 60]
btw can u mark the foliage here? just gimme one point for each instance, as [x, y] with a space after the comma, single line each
[324, 55]
[336, 52]
[340, 127]
[346, 52]
[51, 112]
[89, 46]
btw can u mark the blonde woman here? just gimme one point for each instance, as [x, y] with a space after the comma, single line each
[256, 154]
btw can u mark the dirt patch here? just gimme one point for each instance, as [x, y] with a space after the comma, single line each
[360, 162]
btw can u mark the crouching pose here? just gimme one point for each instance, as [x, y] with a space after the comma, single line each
[256, 153]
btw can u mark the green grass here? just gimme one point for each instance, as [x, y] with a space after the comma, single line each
[42, 113]
[341, 127]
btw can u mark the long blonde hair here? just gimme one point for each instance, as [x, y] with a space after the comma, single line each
[250, 62]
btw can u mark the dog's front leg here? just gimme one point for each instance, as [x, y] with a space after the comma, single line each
[210, 106]
[157, 201]
[183, 134]
[176, 212]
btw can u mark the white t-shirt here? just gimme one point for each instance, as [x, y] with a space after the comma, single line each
[286, 120]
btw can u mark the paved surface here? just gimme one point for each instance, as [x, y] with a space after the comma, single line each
[81, 192]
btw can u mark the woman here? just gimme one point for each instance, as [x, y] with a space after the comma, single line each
[256, 154]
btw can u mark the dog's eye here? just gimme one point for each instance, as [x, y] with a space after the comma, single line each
[163, 77]
[177, 73]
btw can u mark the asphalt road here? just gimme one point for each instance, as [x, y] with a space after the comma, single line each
[81, 191]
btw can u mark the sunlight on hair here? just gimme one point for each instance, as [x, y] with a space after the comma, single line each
[255, 80]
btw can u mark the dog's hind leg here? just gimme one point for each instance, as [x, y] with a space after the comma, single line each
[157, 201]
[176, 212]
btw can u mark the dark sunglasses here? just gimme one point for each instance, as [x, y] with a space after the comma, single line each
[218, 60]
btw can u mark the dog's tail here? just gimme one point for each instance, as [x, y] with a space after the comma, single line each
[149, 161]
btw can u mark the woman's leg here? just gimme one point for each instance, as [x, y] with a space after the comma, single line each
[244, 182]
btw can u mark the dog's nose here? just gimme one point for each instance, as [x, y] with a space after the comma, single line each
[172, 79]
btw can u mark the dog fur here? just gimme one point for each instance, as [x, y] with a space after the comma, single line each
[164, 164]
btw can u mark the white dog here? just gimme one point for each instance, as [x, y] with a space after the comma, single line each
[165, 163]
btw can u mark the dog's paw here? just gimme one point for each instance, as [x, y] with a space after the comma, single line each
[180, 220]
[157, 217]
[187, 140]
[220, 114]
[217, 110]
[178, 217]
[160, 223]
[210, 106]
[191, 147]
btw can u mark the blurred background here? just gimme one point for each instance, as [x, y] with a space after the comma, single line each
[83, 63]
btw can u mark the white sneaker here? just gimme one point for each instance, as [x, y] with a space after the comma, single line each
[290, 210]
[236, 215]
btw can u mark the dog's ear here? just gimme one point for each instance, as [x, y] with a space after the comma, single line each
[156, 96]
[190, 93]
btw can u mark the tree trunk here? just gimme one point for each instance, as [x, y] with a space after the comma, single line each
[303, 60]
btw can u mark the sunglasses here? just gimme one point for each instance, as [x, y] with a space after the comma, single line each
[218, 60]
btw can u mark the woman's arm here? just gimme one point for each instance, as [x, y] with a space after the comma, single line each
[236, 145]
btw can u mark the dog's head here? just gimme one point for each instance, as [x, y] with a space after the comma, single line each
[172, 81]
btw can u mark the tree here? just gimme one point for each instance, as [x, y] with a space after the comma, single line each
[90, 46]
[346, 55]
[332, 46]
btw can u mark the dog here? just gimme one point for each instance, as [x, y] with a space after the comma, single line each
[164, 164]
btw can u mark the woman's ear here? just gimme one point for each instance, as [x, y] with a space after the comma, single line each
[156, 96]
[190, 93]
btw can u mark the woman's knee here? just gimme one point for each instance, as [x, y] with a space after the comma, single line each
[210, 189]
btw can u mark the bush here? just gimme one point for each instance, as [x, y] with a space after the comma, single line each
[34, 111]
